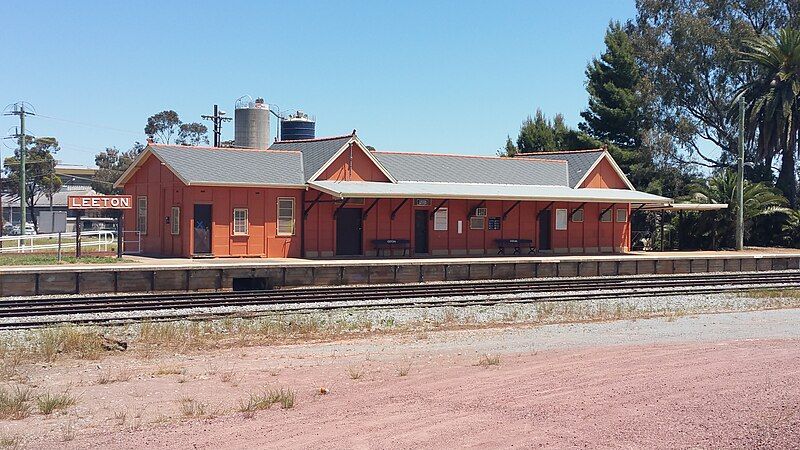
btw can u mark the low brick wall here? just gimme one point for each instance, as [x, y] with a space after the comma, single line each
[110, 279]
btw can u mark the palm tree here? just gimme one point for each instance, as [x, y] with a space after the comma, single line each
[773, 102]
[720, 226]
[791, 228]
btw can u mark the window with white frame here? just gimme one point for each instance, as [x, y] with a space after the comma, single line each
[141, 214]
[476, 223]
[175, 220]
[577, 215]
[622, 215]
[561, 219]
[440, 220]
[240, 222]
[606, 215]
[285, 216]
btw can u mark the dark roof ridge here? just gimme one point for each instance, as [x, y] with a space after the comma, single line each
[465, 156]
[551, 152]
[205, 147]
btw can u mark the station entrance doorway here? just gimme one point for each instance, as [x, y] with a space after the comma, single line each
[348, 232]
[201, 232]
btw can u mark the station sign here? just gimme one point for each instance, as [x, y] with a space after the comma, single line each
[100, 202]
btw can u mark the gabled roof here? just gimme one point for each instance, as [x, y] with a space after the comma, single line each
[580, 162]
[211, 166]
[437, 168]
[318, 153]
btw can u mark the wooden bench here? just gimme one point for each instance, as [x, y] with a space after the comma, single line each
[516, 244]
[391, 244]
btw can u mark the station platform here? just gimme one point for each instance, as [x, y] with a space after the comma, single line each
[144, 274]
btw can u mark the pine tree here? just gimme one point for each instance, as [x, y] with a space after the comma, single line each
[615, 107]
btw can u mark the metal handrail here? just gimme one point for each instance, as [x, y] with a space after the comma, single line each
[101, 239]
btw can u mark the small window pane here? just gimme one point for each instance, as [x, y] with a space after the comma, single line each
[606, 216]
[141, 215]
[440, 220]
[285, 217]
[175, 220]
[476, 223]
[561, 219]
[577, 215]
[240, 223]
[622, 215]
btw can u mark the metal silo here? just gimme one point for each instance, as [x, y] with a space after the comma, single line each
[251, 123]
[297, 126]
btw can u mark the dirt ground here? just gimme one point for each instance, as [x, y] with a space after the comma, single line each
[715, 380]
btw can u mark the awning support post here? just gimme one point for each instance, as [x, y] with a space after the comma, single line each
[544, 209]
[313, 203]
[430, 217]
[505, 214]
[364, 217]
[394, 211]
[572, 215]
[472, 211]
[336, 213]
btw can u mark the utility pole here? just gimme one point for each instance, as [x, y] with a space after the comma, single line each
[740, 181]
[18, 109]
[217, 119]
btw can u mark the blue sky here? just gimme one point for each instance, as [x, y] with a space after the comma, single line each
[448, 77]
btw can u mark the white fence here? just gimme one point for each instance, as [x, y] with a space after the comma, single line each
[101, 240]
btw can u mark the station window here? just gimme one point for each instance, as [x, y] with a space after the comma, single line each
[606, 216]
[577, 215]
[622, 215]
[141, 214]
[285, 216]
[476, 223]
[175, 220]
[561, 219]
[240, 223]
[440, 220]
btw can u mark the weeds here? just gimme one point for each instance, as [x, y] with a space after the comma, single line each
[403, 370]
[47, 402]
[230, 377]
[169, 370]
[10, 442]
[81, 342]
[15, 403]
[192, 408]
[265, 399]
[355, 372]
[107, 377]
[488, 360]
[68, 430]
[120, 417]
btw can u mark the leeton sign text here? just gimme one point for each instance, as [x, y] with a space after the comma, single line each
[99, 202]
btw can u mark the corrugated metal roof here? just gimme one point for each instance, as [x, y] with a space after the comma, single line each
[42, 200]
[231, 166]
[472, 169]
[315, 152]
[371, 189]
[578, 162]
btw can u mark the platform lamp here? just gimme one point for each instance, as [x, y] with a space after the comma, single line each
[740, 180]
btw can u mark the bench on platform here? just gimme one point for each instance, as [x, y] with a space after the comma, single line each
[516, 244]
[391, 244]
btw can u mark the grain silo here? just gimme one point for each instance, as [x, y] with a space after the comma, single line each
[251, 123]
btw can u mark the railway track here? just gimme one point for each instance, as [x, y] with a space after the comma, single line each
[37, 312]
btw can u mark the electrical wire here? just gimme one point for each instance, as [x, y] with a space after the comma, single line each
[91, 125]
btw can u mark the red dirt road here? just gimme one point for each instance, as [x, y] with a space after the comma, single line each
[736, 394]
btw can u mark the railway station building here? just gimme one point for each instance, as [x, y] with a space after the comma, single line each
[329, 197]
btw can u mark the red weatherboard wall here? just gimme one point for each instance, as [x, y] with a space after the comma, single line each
[604, 176]
[353, 165]
[164, 190]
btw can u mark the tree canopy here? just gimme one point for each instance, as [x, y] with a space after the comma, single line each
[40, 174]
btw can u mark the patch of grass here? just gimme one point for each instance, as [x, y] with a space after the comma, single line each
[265, 399]
[355, 372]
[10, 442]
[192, 408]
[120, 417]
[107, 377]
[85, 343]
[169, 370]
[230, 376]
[488, 360]
[15, 403]
[403, 370]
[27, 259]
[771, 293]
[49, 402]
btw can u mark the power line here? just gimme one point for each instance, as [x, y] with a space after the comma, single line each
[91, 125]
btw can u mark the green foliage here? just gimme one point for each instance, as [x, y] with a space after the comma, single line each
[791, 228]
[40, 175]
[161, 126]
[720, 226]
[192, 134]
[615, 114]
[773, 102]
[111, 164]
